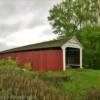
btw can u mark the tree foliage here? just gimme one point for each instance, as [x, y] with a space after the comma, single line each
[81, 18]
[90, 38]
[70, 16]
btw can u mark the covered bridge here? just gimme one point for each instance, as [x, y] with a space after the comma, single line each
[50, 55]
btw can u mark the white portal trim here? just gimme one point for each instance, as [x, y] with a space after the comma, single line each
[73, 43]
[81, 57]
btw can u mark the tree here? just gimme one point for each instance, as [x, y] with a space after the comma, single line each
[90, 38]
[81, 18]
[71, 16]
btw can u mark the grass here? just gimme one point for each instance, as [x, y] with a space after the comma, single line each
[76, 82]
[17, 84]
[80, 81]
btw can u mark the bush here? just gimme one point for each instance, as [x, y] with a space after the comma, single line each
[28, 66]
[93, 94]
[56, 80]
[18, 86]
[9, 62]
[2, 62]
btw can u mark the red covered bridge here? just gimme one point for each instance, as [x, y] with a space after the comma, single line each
[50, 55]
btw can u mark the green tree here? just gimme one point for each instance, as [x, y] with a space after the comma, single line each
[90, 38]
[70, 16]
[81, 18]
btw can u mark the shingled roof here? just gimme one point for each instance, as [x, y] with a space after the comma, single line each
[43, 45]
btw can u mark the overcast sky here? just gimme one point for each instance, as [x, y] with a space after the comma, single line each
[24, 22]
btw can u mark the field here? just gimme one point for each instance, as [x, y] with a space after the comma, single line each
[72, 82]
[80, 81]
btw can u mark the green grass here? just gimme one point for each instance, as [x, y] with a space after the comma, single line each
[75, 82]
[80, 81]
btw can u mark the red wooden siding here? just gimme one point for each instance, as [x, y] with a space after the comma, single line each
[41, 60]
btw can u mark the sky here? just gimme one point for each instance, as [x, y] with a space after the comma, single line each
[24, 22]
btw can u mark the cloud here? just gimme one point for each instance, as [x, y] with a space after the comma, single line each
[28, 36]
[24, 21]
[15, 23]
[3, 44]
[6, 29]
[9, 8]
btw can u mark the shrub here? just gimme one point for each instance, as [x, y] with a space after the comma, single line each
[18, 86]
[56, 80]
[28, 66]
[2, 62]
[93, 94]
[9, 62]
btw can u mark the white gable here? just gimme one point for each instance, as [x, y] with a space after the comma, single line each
[74, 43]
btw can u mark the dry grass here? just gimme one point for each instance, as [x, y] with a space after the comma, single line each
[18, 86]
[93, 94]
